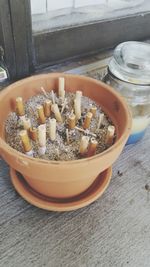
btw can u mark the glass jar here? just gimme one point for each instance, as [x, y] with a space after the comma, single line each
[129, 74]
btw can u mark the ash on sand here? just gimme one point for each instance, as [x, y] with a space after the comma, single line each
[58, 149]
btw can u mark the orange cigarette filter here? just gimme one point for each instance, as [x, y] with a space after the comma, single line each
[20, 107]
[87, 120]
[93, 110]
[41, 115]
[72, 121]
[47, 107]
[110, 134]
[92, 147]
[57, 113]
[25, 141]
[33, 133]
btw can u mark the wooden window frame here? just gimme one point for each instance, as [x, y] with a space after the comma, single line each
[16, 37]
[26, 52]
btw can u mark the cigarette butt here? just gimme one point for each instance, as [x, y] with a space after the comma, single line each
[83, 145]
[77, 108]
[93, 110]
[25, 141]
[47, 107]
[87, 120]
[72, 121]
[53, 97]
[41, 115]
[92, 147]
[57, 113]
[42, 135]
[26, 123]
[52, 129]
[61, 87]
[110, 135]
[63, 95]
[20, 107]
[100, 120]
[79, 95]
[33, 133]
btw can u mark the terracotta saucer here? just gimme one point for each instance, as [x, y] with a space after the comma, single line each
[52, 204]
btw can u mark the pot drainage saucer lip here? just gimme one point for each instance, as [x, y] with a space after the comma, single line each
[51, 204]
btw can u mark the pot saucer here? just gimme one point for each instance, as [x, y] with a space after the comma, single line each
[54, 204]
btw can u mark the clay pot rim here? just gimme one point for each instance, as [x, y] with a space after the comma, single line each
[123, 137]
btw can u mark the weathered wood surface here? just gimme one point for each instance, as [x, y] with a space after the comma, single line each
[112, 232]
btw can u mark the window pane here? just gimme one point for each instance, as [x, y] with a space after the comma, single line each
[48, 15]
[38, 7]
[57, 4]
[71, 28]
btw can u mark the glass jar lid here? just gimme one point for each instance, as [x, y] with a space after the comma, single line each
[131, 62]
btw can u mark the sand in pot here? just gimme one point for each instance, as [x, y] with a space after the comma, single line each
[67, 141]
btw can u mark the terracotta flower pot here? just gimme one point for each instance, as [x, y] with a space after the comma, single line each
[61, 179]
